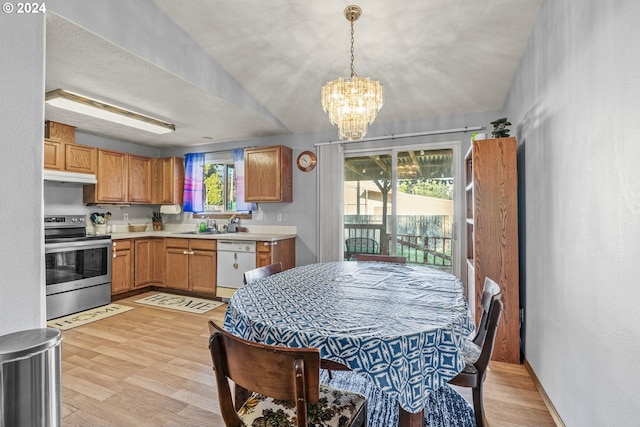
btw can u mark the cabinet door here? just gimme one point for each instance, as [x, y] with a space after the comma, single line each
[144, 262]
[139, 179]
[121, 263]
[79, 158]
[53, 155]
[263, 254]
[168, 181]
[177, 263]
[202, 271]
[111, 176]
[158, 262]
[268, 174]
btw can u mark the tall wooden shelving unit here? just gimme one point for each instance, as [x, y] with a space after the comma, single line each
[492, 235]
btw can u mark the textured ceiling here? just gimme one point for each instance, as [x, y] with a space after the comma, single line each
[433, 57]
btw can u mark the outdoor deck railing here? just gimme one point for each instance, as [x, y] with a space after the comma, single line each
[428, 250]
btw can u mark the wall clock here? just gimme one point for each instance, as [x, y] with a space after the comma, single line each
[306, 161]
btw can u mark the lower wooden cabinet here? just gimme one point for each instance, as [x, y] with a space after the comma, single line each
[121, 265]
[191, 264]
[149, 262]
[283, 251]
[182, 264]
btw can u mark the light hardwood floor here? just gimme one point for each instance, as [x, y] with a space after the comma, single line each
[151, 367]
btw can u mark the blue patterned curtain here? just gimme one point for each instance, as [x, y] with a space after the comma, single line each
[194, 182]
[238, 164]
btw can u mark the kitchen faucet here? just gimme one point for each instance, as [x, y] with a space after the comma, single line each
[212, 224]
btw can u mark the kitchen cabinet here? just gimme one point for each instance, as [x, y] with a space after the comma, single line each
[127, 178]
[492, 235]
[283, 251]
[122, 252]
[268, 174]
[69, 157]
[54, 131]
[53, 155]
[149, 262]
[191, 264]
[139, 179]
[168, 181]
[112, 176]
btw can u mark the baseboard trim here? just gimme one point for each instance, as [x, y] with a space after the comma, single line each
[545, 397]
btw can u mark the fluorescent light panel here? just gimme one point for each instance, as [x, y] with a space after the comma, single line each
[70, 101]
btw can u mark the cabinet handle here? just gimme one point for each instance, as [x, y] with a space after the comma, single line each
[185, 253]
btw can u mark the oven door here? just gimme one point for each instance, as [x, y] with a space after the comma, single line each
[77, 264]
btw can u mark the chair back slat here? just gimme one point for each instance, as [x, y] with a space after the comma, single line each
[495, 311]
[381, 258]
[262, 272]
[489, 291]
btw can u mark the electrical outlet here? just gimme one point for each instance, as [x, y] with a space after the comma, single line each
[126, 216]
[285, 217]
[279, 217]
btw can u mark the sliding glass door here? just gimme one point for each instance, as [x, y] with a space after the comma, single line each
[400, 201]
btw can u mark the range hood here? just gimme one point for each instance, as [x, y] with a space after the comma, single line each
[70, 177]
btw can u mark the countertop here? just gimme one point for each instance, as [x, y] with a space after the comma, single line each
[259, 237]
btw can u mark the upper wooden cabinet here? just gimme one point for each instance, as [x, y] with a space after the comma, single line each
[111, 174]
[492, 235]
[168, 181]
[55, 131]
[268, 174]
[70, 157]
[139, 179]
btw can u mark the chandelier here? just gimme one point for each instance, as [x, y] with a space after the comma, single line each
[353, 103]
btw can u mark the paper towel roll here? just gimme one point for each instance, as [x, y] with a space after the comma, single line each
[170, 209]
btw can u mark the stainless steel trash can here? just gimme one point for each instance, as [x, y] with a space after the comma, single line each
[30, 383]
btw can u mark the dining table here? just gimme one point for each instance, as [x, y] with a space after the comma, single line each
[401, 326]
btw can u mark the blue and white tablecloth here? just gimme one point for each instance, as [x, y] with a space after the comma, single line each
[401, 326]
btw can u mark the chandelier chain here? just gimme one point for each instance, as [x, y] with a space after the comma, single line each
[353, 71]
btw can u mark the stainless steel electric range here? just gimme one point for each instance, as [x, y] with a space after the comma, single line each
[78, 266]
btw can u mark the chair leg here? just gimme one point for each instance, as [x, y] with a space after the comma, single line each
[330, 374]
[478, 407]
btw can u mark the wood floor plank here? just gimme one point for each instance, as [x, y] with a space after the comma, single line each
[150, 366]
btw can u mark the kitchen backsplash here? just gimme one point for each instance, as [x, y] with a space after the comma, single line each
[66, 199]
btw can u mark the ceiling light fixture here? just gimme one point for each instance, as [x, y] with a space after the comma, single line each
[73, 102]
[352, 104]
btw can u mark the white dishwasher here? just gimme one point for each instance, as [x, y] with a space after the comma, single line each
[234, 258]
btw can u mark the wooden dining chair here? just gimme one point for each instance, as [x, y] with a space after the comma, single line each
[381, 258]
[285, 384]
[262, 272]
[477, 351]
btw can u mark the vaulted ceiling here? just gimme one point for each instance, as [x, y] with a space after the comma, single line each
[434, 58]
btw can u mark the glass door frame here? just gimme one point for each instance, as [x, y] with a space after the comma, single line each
[458, 187]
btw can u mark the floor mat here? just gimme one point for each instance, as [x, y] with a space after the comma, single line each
[84, 317]
[180, 302]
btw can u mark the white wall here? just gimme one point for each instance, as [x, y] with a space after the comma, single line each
[22, 300]
[576, 106]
